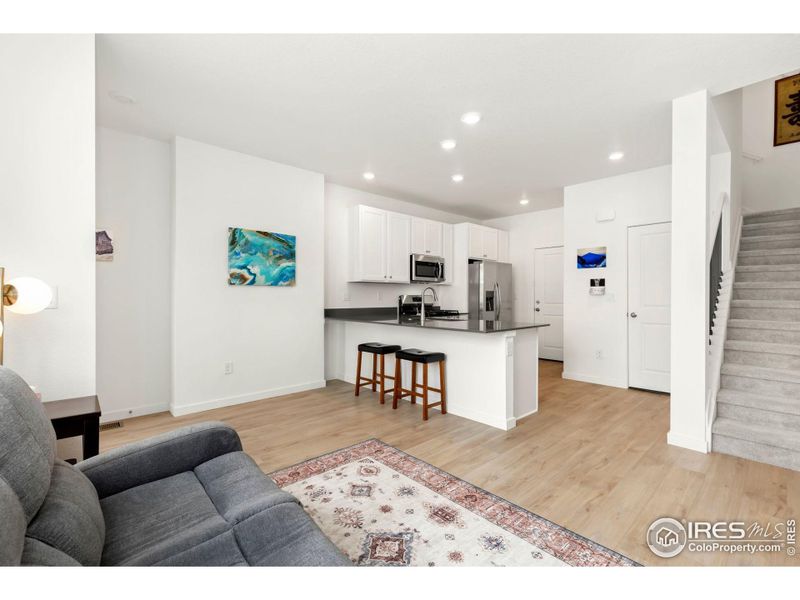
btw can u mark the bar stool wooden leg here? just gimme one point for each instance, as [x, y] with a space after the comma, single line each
[425, 391]
[383, 377]
[398, 380]
[443, 387]
[374, 371]
[413, 383]
[358, 373]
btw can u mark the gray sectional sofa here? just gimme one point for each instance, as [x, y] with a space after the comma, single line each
[189, 497]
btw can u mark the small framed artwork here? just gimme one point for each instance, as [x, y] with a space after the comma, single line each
[261, 257]
[787, 110]
[103, 245]
[592, 258]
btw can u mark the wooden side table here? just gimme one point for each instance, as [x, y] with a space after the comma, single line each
[77, 416]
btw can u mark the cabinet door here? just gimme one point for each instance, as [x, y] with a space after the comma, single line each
[490, 243]
[448, 252]
[476, 241]
[418, 235]
[502, 246]
[433, 238]
[371, 244]
[398, 232]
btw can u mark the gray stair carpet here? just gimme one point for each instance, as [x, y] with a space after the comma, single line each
[758, 404]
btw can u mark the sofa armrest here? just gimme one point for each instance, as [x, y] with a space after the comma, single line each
[158, 457]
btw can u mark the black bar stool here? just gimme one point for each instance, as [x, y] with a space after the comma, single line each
[425, 358]
[378, 377]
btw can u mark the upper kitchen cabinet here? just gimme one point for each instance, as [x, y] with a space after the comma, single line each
[486, 243]
[427, 237]
[379, 245]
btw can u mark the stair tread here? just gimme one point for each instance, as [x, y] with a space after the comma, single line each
[762, 225]
[771, 213]
[757, 324]
[771, 237]
[766, 303]
[776, 404]
[766, 373]
[760, 434]
[772, 285]
[769, 251]
[762, 347]
[776, 268]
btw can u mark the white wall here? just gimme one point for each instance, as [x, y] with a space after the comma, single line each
[47, 179]
[691, 119]
[339, 293]
[273, 335]
[595, 324]
[728, 111]
[527, 232]
[133, 291]
[772, 183]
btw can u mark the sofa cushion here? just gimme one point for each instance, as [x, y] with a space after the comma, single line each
[12, 526]
[70, 519]
[238, 488]
[151, 522]
[27, 442]
[39, 554]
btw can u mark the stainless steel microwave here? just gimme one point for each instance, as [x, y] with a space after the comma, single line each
[426, 268]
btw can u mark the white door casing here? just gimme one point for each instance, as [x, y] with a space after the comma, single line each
[548, 298]
[649, 306]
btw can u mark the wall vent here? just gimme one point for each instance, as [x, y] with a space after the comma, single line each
[110, 425]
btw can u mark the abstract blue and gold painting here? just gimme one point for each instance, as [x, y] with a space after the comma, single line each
[592, 258]
[260, 257]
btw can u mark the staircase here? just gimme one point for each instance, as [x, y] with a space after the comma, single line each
[758, 404]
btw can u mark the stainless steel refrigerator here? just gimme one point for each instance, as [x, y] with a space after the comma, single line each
[490, 291]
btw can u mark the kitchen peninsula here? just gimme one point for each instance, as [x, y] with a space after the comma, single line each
[492, 366]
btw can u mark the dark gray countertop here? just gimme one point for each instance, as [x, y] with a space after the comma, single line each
[386, 316]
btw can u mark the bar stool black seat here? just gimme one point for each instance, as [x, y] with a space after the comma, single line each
[423, 357]
[378, 377]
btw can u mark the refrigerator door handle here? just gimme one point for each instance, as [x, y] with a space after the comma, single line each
[498, 302]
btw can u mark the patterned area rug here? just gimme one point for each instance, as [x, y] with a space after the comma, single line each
[383, 507]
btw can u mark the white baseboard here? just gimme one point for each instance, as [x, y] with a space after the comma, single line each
[594, 379]
[688, 442]
[527, 414]
[498, 422]
[136, 411]
[186, 409]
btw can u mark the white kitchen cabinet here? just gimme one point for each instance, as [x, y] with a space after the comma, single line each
[379, 245]
[398, 252]
[502, 246]
[426, 237]
[483, 242]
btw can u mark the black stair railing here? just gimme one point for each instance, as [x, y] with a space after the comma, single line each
[715, 280]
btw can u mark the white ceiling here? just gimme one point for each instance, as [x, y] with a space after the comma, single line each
[553, 106]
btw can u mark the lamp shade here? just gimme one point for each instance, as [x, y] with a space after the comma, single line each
[32, 295]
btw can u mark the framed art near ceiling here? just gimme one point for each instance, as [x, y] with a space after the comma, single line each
[787, 110]
[261, 257]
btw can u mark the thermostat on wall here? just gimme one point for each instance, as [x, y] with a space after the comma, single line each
[597, 287]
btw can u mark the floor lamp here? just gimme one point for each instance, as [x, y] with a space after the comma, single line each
[24, 296]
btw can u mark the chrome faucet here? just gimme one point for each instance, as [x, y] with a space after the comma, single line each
[422, 307]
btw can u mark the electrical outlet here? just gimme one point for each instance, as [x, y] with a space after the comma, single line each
[228, 368]
[599, 355]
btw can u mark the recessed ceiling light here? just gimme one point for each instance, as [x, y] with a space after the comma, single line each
[524, 201]
[616, 155]
[369, 175]
[121, 98]
[448, 144]
[457, 178]
[471, 118]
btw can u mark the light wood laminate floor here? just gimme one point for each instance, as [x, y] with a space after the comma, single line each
[593, 459]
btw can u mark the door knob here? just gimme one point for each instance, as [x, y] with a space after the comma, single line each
[537, 302]
[537, 309]
[634, 315]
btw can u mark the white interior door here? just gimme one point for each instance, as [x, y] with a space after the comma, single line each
[649, 306]
[548, 298]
